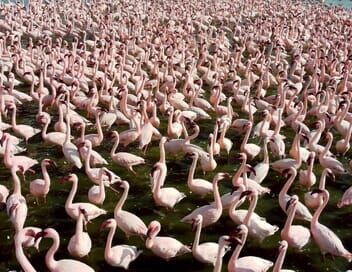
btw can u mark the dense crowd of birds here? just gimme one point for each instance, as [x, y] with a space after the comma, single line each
[163, 68]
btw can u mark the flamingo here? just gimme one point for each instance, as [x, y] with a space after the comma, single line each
[296, 236]
[80, 243]
[64, 264]
[128, 222]
[162, 246]
[124, 159]
[73, 209]
[212, 212]
[69, 149]
[121, 255]
[325, 238]
[40, 187]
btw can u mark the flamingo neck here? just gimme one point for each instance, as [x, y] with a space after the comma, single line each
[245, 139]
[280, 261]
[79, 227]
[16, 183]
[218, 263]
[72, 194]
[287, 186]
[196, 238]
[217, 198]
[44, 130]
[266, 155]
[68, 131]
[87, 167]
[13, 118]
[122, 200]
[327, 148]
[238, 174]
[251, 209]
[99, 129]
[21, 257]
[191, 171]
[108, 244]
[289, 219]
[162, 153]
[316, 215]
[46, 177]
[159, 181]
[116, 144]
[49, 257]
[236, 253]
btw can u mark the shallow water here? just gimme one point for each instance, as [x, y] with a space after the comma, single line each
[52, 213]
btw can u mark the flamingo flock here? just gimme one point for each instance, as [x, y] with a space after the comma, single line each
[152, 122]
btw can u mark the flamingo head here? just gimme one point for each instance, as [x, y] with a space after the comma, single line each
[112, 135]
[330, 174]
[48, 162]
[40, 235]
[69, 177]
[85, 214]
[289, 172]
[240, 157]
[4, 137]
[108, 224]
[153, 229]
[221, 176]
[316, 191]
[196, 221]
[32, 233]
[246, 193]
[293, 201]
[251, 169]
[283, 245]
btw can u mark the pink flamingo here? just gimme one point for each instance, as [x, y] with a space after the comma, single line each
[121, 255]
[325, 238]
[73, 209]
[16, 205]
[80, 243]
[21, 163]
[162, 246]
[129, 223]
[124, 159]
[61, 265]
[296, 236]
[40, 187]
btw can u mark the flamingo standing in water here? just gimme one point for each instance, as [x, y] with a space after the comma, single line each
[61, 265]
[121, 255]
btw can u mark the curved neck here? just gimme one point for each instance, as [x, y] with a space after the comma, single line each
[289, 219]
[108, 244]
[162, 153]
[266, 154]
[191, 171]
[218, 264]
[122, 200]
[327, 147]
[16, 183]
[72, 194]
[160, 179]
[217, 198]
[49, 257]
[68, 131]
[238, 174]
[287, 185]
[245, 139]
[251, 209]
[99, 129]
[197, 237]
[280, 260]
[13, 118]
[116, 144]
[22, 259]
[79, 226]
[87, 161]
[46, 176]
[44, 130]
[317, 213]
[237, 252]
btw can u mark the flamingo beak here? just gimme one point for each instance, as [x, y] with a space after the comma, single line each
[234, 189]
[316, 191]
[39, 235]
[104, 225]
[245, 193]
